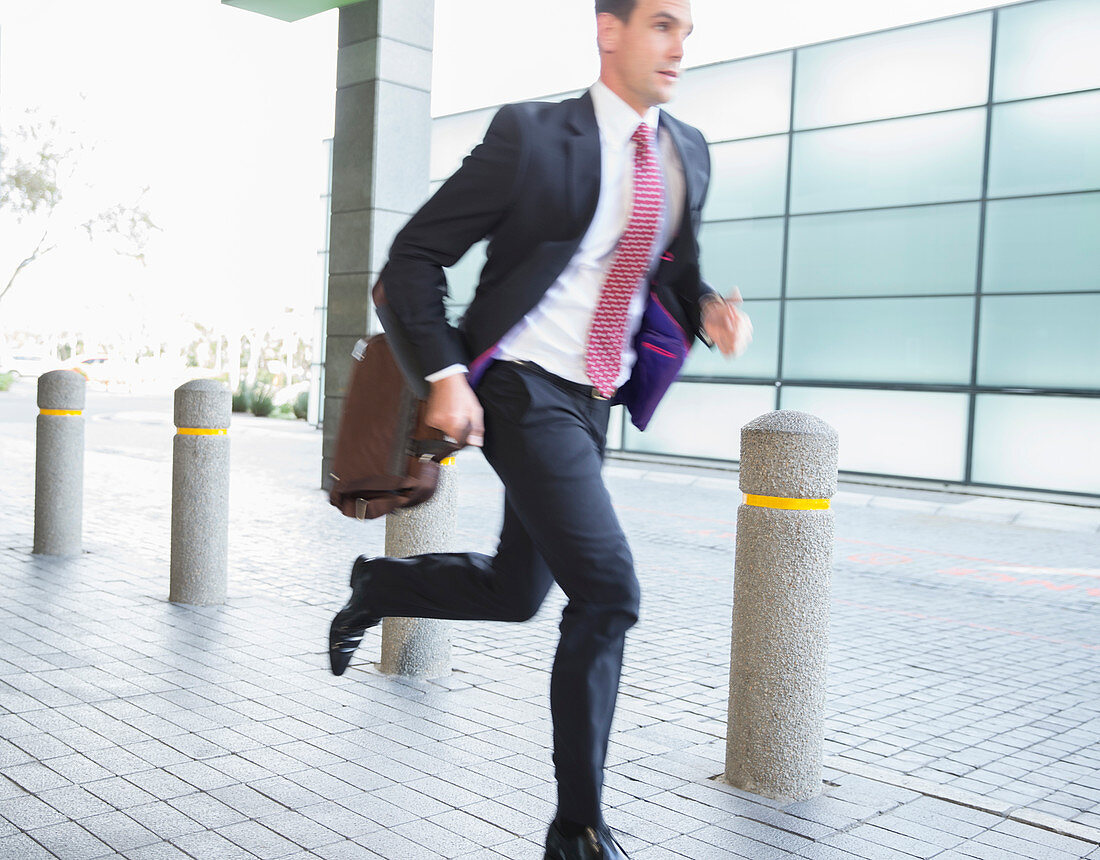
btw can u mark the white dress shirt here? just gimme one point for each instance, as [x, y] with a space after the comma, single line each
[554, 334]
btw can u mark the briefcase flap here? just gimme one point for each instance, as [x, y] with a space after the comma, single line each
[386, 455]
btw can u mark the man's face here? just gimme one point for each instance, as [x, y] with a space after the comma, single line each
[640, 59]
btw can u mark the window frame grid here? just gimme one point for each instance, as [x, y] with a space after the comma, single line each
[972, 389]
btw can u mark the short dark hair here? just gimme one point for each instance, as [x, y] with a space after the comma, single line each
[621, 9]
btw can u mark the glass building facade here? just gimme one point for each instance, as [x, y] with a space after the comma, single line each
[913, 218]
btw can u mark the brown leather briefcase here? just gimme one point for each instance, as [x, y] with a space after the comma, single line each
[386, 456]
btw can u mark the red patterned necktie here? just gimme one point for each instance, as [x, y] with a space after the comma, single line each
[604, 356]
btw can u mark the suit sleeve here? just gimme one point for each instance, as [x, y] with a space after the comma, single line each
[465, 209]
[693, 290]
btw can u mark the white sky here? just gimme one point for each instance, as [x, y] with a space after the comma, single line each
[222, 114]
[488, 52]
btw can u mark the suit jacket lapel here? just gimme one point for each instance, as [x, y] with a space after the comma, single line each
[692, 161]
[583, 159]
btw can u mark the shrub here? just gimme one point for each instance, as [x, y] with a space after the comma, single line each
[262, 405]
[301, 405]
[242, 398]
[6, 379]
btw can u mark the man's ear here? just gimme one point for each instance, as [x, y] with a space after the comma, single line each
[608, 27]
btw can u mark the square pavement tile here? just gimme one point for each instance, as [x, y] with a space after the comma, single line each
[158, 851]
[72, 842]
[74, 802]
[118, 792]
[324, 784]
[472, 828]
[257, 839]
[119, 831]
[29, 813]
[437, 839]
[1023, 842]
[163, 820]
[346, 850]
[339, 819]
[300, 829]
[392, 846]
[22, 847]
[206, 810]
[34, 777]
[160, 783]
[209, 845]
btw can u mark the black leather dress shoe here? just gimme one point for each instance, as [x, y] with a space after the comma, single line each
[347, 628]
[594, 843]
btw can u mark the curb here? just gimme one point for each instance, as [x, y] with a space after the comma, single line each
[1017, 512]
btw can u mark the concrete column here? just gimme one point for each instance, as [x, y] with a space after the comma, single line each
[421, 647]
[380, 170]
[59, 464]
[200, 493]
[780, 642]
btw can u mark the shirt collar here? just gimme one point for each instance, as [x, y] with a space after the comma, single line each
[616, 119]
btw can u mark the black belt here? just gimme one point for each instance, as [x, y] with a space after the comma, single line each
[563, 384]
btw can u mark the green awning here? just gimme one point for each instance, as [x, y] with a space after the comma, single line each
[289, 10]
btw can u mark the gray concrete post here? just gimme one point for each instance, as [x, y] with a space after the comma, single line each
[421, 647]
[59, 464]
[200, 493]
[381, 156]
[780, 642]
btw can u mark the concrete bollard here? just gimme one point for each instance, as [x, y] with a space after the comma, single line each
[780, 643]
[59, 464]
[200, 493]
[421, 647]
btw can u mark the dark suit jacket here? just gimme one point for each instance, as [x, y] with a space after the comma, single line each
[531, 186]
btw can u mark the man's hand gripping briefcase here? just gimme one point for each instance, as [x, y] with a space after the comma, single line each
[387, 457]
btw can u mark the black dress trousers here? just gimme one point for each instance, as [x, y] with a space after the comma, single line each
[545, 438]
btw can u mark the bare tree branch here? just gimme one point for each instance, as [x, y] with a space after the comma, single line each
[41, 249]
[32, 177]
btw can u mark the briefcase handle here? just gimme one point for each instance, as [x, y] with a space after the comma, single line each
[432, 449]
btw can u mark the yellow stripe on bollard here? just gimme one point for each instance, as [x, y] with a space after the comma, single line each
[447, 461]
[786, 504]
[60, 412]
[201, 431]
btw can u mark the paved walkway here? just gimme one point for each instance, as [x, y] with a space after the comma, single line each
[964, 699]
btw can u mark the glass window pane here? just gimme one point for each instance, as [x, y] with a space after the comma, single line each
[1042, 243]
[1040, 341]
[462, 279]
[917, 433]
[930, 249]
[746, 254]
[748, 179]
[1044, 442]
[746, 98]
[919, 69]
[759, 361]
[701, 419]
[879, 340]
[1046, 145]
[924, 159]
[454, 136]
[615, 429]
[1045, 48]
